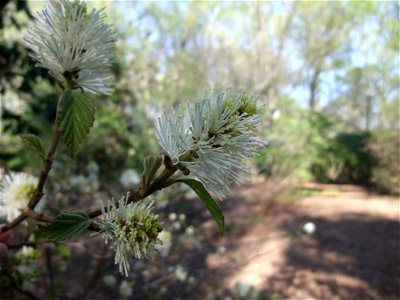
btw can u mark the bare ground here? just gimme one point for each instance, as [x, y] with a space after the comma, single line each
[354, 253]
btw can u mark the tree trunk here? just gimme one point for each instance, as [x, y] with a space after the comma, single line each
[313, 88]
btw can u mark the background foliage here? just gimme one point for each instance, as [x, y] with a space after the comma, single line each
[327, 73]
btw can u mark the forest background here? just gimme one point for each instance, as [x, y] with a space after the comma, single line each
[327, 72]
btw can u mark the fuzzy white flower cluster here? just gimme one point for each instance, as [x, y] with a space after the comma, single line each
[27, 253]
[309, 227]
[131, 229]
[16, 189]
[212, 137]
[74, 45]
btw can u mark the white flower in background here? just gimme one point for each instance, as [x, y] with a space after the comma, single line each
[275, 114]
[129, 177]
[172, 216]
[16, 189]
[166, 242]
[93, 168]
[309, 228]
[74, 45]
[27, 253]
[181, 273]
[182, 218]
[110, 280]
[189, 230]
[12, 102]
[131, 229]
[176, 226]
[79, 181]
[125, 289]
[221, 249]
[27, 266]
[212, 137]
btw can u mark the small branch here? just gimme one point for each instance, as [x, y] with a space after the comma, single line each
[13, 223]
[38, 217]
[20, 245]
[157, 184]
[28, 293]
[38, 193]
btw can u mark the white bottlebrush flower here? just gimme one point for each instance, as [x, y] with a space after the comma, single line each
[74, 45]
[131, 229]
[172, 131]
[212, 137]
[16, 189]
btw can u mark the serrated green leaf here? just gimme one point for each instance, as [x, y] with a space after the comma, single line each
[35, 143]
[208, 201]
[64, 226]
[150, 166]
[75, 117]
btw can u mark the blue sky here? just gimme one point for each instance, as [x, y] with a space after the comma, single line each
[363, 52]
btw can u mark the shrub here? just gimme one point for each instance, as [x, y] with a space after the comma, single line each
[345, 159]
[385, 146]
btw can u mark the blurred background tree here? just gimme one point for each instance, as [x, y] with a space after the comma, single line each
[327, 73]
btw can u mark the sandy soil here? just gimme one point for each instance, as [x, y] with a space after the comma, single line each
[354, 253]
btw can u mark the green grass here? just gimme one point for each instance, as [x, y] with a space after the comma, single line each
[330, 192]
[295, 194]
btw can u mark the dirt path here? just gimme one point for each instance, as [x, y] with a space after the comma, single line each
[354, 253]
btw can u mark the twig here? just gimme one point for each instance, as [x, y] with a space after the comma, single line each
[162, 181]
[28, 293]
[20, 245]
[38, 193]
[158, 184]
[38, 217]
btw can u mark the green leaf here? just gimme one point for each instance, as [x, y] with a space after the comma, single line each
[35, 143]
[150, 166]
[64, 226]
[75, 117]
[208, 201]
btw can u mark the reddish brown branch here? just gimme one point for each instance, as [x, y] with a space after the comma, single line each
[162, 181]
[38, 193]
[158, 184]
